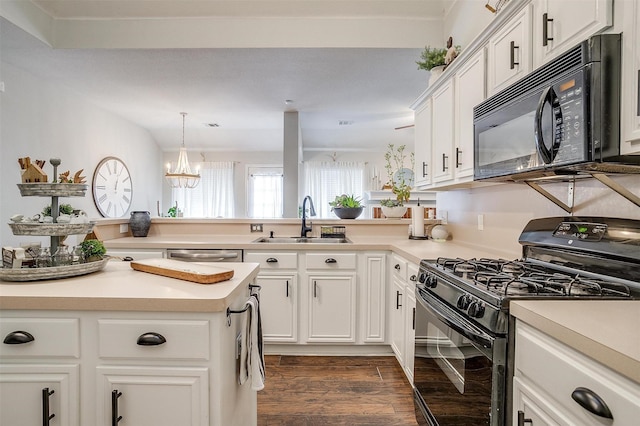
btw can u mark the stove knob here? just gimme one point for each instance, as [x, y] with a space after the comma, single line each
[476, 310]
[432, 281]
[463, 302]
[422, 277]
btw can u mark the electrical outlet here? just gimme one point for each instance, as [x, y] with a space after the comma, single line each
[480, 222]
[570, 196]
[124, 228]
[256, 227]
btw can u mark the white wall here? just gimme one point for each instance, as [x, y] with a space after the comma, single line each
[464, 20]
[508, 207]
[43, 120]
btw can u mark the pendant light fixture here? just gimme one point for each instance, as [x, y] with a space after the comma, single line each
[182, 177]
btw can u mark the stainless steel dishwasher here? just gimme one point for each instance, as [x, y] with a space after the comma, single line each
[205, 255]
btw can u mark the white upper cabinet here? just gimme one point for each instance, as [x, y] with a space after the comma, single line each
[443, 116]
[631, 79]
[558, 25]
[469, 91]
[509, 52]
[422, 145]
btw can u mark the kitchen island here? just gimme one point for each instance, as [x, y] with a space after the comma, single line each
[119, 342]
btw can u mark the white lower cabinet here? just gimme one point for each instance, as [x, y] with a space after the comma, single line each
[372, 319]
[550, 377]
[410, 320]
[402, 317]
[135, 395]
[398, 337]
[143, 368]
[39, 394]
[332, 308]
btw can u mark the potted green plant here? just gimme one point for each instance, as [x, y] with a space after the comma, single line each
[346, 206]
[431, 57]
[93, 250]
[395, 166]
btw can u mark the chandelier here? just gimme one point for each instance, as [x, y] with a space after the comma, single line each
[181, 176]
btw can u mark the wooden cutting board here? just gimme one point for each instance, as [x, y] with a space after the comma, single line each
[196, 272]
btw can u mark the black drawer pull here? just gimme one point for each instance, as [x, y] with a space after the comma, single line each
[151, 339]
[18, 338]
[287, 284]
[272, 260]
[545, 29]
[115, 418]
[413, 278]
[46, 417]
[398, 296]
[522, 420]
[330, 260]
[397, 267]
[591, 401]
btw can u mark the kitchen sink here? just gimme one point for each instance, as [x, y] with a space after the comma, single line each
[302, 240]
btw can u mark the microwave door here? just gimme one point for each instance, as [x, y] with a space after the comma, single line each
[548, 125]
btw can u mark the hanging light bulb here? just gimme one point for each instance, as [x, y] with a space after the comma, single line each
[182, 177]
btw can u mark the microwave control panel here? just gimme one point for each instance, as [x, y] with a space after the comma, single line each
[569, 128]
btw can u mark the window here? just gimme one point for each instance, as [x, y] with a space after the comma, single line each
[264, 192]
[324, 181]
[214, 195]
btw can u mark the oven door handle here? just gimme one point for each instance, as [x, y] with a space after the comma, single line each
[454, 320]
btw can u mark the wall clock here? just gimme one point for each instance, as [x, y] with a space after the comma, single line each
[112, 188]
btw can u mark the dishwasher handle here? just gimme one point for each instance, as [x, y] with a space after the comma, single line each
[203, 257]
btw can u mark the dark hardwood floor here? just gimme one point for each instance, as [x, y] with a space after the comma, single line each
[331, 390]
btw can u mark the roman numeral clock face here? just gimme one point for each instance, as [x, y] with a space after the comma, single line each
[112, 188]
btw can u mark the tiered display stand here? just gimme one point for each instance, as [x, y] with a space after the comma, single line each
[54, 230]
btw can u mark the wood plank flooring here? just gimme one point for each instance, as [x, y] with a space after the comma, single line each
[332, 390]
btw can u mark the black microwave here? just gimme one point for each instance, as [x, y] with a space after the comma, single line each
[561, 119]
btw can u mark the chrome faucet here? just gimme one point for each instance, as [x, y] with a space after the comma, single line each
[312, 212]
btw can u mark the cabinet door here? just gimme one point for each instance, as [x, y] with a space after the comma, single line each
[372, 304]
[398, 320]
[558, 25]
[469, 88]
[31, 393]
[410, 333]
[152, 396]
[443, 116]
[631, 79]
[509, 52]
[279, 307]
[530, 404]
[332, 308]
[422, 147]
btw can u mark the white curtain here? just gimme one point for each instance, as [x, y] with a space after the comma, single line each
[214, 195]
[324, 181]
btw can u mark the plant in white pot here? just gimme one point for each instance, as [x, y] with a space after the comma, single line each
[346, 206]
[435, 60]
[395, 159]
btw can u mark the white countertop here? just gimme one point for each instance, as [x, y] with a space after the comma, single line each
[120, 288]
[604, 330]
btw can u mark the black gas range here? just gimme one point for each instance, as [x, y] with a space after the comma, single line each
[462, 310]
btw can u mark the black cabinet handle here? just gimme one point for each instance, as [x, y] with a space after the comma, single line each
[444, 162]
[398, 296]
[330, 260]
[272, 260]
[413, 321]
[315, 289]
[287, 287]
[522, 420]
[545, 29]
[18, 338]
[413, 278]
[591, 401]
[115, 418]
[424, 164]
[151, 339]
[638, 103]
[512, 55]
[46, 417]
[397, 267]
[458, 152]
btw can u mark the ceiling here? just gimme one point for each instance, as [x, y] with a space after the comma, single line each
[348, 98]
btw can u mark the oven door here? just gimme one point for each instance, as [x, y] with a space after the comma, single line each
[459, 368]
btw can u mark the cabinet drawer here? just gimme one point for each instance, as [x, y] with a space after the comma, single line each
[52, 337]
[399, 268]
[559, 370]
[273, 260]
[183, 339]
[331, 260]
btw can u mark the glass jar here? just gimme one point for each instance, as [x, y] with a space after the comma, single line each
[62, 257]
[77, 255]
[44, 258]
